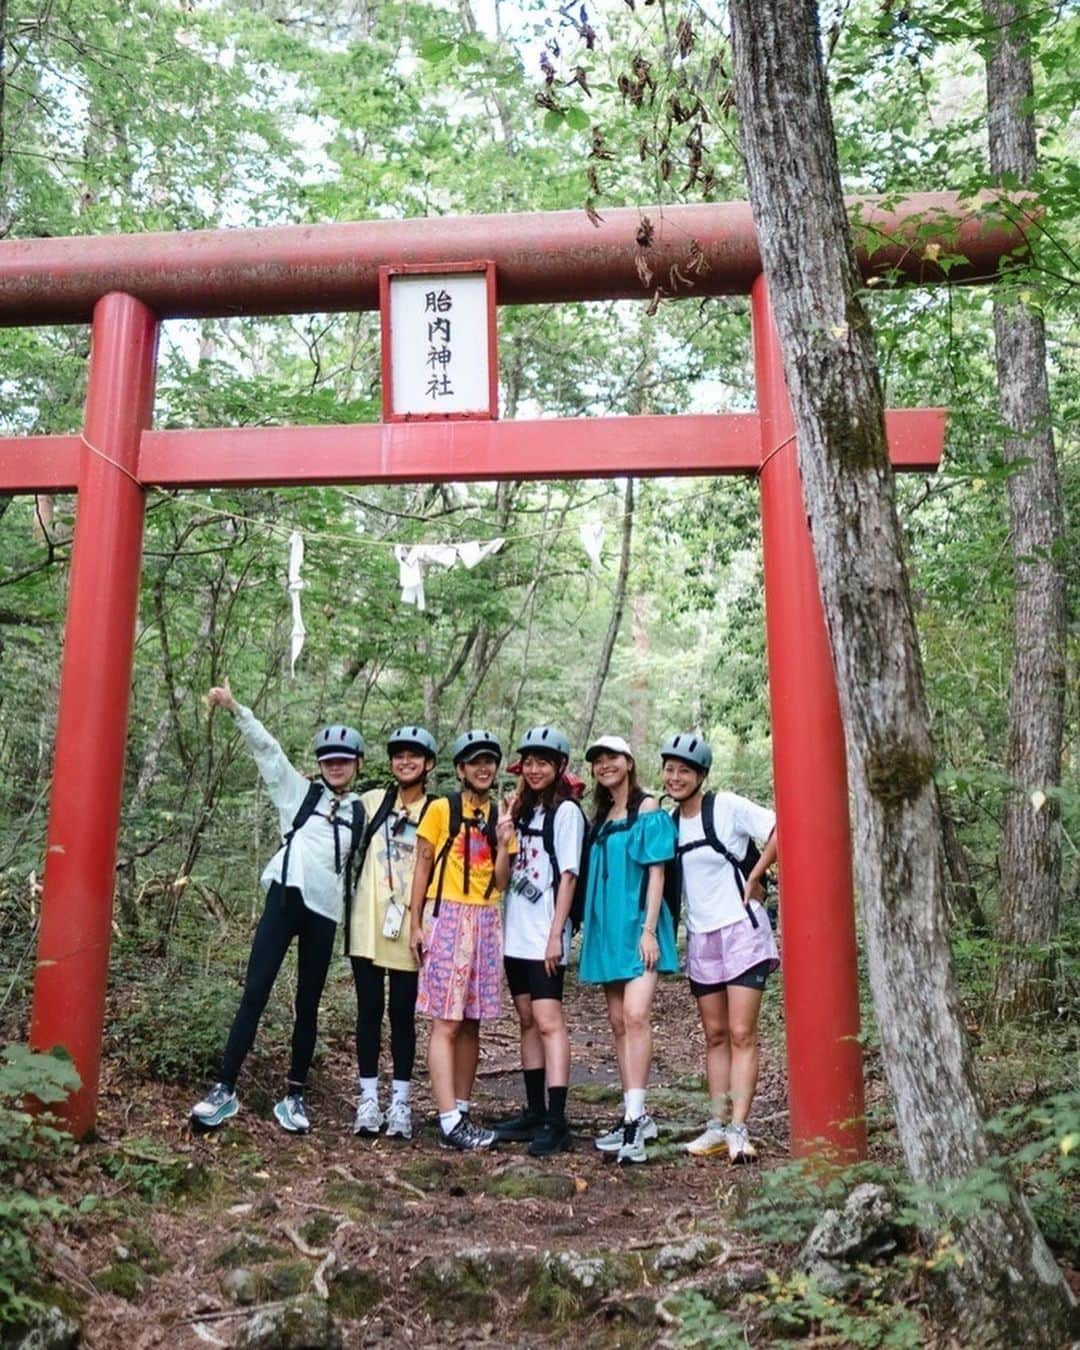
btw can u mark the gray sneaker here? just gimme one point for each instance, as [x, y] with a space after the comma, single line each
[613, 1140]
[466, 1136]
[632, 1149]
[369, 1119]
[215, 1108]
[291, 1114]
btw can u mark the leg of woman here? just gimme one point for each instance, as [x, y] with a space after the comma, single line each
[743, 1008]
[403, 984]
[370, 981]
[613, 993]
[314, 950]
[466, 1058]
[532, 1047]
[637, 1016]
[272, 937]
[713, 1011]
[442, 1057]
[554, 1042]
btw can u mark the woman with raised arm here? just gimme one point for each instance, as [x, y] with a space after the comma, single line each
[306, 881]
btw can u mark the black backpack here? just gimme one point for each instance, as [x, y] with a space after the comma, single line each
[546, 835]
[374, 825]
[457, 824]
[742, 867]
[356, 838]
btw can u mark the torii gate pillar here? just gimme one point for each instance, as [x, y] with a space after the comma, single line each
[95, 687]
[821, 997]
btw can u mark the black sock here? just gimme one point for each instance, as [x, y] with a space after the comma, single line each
[557, 1103]
[534, 1089]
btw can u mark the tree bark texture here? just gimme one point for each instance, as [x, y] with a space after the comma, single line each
[1007, 1278]
[1031, 843]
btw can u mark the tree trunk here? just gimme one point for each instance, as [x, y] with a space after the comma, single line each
[1031, 842]
[1007, 1279]
[618, 604]
[962, 893]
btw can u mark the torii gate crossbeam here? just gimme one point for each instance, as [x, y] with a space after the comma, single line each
[227, 272]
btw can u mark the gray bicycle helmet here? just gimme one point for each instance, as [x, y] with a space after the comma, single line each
[470, 744]
[418, 738]
[339, 742]
[689, 748]
[544, 738]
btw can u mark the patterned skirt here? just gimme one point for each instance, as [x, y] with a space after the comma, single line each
[461, 974]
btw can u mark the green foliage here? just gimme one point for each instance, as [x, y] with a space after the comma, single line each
[28, 1141]
[148, 1169]
[797, 1307]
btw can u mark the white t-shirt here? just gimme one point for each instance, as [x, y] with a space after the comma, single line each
[529, 902]
[710, 893]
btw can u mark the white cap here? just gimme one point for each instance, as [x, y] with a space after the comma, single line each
[615, 744]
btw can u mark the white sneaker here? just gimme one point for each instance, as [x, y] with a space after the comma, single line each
[633, 1144]
[399, 1121]
[713, 1139]
[291, 1114]
[369, 1119]
[613, 1140]
[740, 1149]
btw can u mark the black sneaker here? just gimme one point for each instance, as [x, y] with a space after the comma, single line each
[552, 1137]
[520, 1129]
[465, 1136]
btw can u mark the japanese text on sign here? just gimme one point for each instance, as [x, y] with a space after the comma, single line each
[439, 344]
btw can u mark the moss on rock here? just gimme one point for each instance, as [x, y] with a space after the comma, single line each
[354, 1292]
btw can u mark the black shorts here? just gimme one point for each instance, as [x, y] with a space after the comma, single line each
[754, 978]
[530, 977]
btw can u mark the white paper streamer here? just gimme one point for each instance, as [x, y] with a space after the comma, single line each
[412, 561]
[296, 585]
[591, 535]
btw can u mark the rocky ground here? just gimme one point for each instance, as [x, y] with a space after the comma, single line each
[250, 1237]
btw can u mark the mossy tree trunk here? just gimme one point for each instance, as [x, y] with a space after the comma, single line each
[1031, 844]
[1007, 1278]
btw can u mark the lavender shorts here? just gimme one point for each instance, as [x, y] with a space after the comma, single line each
[720, 956]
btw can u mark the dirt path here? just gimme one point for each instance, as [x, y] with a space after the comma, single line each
[405, 1242]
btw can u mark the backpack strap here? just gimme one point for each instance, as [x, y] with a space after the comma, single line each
[456, 824]
[358, 845]
[382, 814]
[303, 814]
[712, 840]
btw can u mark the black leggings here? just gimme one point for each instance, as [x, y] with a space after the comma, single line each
[285, 917]
[370, 1004]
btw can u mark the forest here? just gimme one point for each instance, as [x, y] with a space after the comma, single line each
[623, 606]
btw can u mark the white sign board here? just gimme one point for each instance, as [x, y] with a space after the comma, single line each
[439, 345]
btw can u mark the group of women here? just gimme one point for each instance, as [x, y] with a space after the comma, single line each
[441, 898]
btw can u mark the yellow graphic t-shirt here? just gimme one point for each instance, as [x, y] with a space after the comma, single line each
[386, 881]
[435, 828]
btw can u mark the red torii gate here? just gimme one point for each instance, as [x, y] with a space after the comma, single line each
[126, 284]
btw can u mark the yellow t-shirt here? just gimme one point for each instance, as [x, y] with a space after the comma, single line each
[435, 828]
[386, 876]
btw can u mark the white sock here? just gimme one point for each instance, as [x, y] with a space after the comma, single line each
[463, 1107]
[400, 1092]
[635, 1103]
[369, 1089]
[448, 1119]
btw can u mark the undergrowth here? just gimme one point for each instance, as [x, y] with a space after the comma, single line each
[29, 1141]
